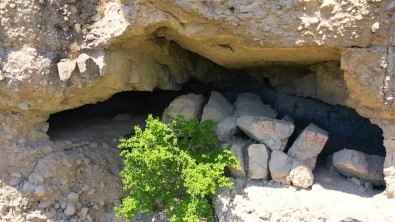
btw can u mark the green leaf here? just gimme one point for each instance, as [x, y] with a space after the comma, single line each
[174, 167]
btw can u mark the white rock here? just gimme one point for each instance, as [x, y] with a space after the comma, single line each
[226, 129]
[308, 145]
[354, 163]
[190, 106]
[90, 37]
[328, 5]
[258, 162]
[70, 209]
[302, 176]
[271, 132]
[280, 165]
[66, 69]
[217, 108]
[72, 196]
[87, 67]
[375, 26]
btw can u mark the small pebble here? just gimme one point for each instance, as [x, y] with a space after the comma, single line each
[70, 209]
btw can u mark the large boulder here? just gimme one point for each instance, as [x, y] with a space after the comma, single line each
[226, 129]
[238, 147]
[271, 132]
[358, 164]
[190, 106]
[217, 108]
[258, 160]
[249, 104]
[308, 145]
[280, 165]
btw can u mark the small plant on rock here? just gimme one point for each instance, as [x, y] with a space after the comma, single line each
[174, 167]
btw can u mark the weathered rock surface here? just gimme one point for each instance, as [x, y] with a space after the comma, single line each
[271, 132]
[217, 108]
[301, 176]
[132, 46]
[308, 145]
[190, 106]
[280, 165]
[226, 129]
[258, 162]
[249, 104]
[238, 149]
[355, 163]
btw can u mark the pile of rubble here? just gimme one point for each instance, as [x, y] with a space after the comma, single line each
[262, 150]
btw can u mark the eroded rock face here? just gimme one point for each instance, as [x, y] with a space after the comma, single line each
[354, 163]
[131, 46]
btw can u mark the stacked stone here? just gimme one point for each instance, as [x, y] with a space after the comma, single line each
[263, 156]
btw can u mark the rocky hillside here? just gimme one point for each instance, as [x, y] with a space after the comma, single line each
[57, 55]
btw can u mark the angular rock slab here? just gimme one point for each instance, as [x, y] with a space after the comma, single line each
[280, 165]
[258, 162]
[238, 147]
[308, 145]
[217, 108]
[226, 129]
[271, 132]
[249, 104]
[190, 106]
[358, 164]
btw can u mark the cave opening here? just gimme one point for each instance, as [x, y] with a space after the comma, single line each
[310, 94]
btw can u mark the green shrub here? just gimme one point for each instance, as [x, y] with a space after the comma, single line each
[174, 167]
